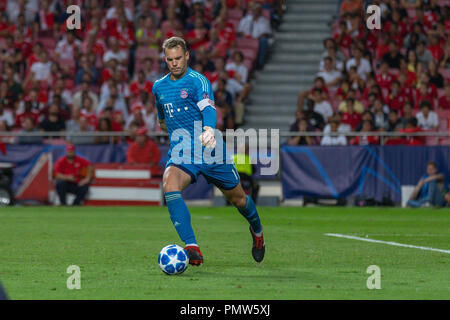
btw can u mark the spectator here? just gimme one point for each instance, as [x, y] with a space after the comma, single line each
[444, 101]
[73, 174]
[366, 139]
[151, 74]
[407, 114]
[84, 92]
[383, 77]
[424, 55]
[143, 150]
[435, 48]
[240, 71]
[114, 52]
[149, 114]
[429, 190]
[40, 71]
[362, 64]
[73, 124]
[86, 68]
[68, 47]
[148, 34]
[28, 112]
[353, 7]
[53, 122]
[350, 116]
[301, 140]
[394, 122]
[314, 118]
[435, 77]
[393, 56]
[330, 75]
[424, 93]
[6, 115]
[28, 126]
[445, 61]
[342, 127]
[224, 101]
[322, 106]
[333, 138]
[337, 57]
[104, 125]
[115, 100]
[258, 27]
[427, 119]
[137, 116]
[380, 114]
[81, 127]
[357, 105]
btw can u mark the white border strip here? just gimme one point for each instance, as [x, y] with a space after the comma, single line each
[122, 174]
[385, 242]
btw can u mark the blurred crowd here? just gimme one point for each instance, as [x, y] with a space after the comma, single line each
[100, 77]
[393, 79]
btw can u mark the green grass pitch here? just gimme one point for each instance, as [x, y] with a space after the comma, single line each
[116, 249]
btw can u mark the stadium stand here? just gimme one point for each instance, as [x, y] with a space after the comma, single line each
[407, 60]
[60, 78]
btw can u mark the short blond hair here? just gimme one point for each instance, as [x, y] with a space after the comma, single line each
[174, 42]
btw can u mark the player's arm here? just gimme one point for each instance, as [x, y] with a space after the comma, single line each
[160, 111]
[206, 106]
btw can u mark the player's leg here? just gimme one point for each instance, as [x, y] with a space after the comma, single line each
[174, 181]
[247, 208]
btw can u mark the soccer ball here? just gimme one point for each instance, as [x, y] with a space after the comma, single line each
[173, 259]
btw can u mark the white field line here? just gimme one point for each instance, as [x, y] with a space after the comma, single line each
[385, 242]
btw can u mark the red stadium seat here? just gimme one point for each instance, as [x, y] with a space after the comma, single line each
[247, 43]
[48, 43]
[234, 14]
[443, 114]
[443, 124]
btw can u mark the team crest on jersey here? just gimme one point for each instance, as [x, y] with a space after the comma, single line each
[184, 94]
[205, 95]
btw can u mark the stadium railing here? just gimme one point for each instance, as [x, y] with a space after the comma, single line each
[12, 136]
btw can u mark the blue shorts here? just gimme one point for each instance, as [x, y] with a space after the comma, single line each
[223, 176]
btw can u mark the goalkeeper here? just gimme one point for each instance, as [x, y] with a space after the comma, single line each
[185, 104]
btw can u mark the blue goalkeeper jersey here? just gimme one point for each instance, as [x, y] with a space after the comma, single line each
[181, 103]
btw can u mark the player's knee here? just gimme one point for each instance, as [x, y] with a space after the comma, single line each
[239, 201]
[170, 187]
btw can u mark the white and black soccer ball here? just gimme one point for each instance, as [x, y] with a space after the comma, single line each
[173, 259]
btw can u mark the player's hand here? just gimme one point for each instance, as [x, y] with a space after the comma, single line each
[83, 182]
[207, 138]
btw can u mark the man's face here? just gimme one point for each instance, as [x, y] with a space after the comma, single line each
[431, 170]
[177, 60]
[141, 139]
[70, 154]
[28, 124]
[393, 117]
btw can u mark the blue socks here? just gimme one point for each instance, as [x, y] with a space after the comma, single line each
[249, 212]
[180, 216]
